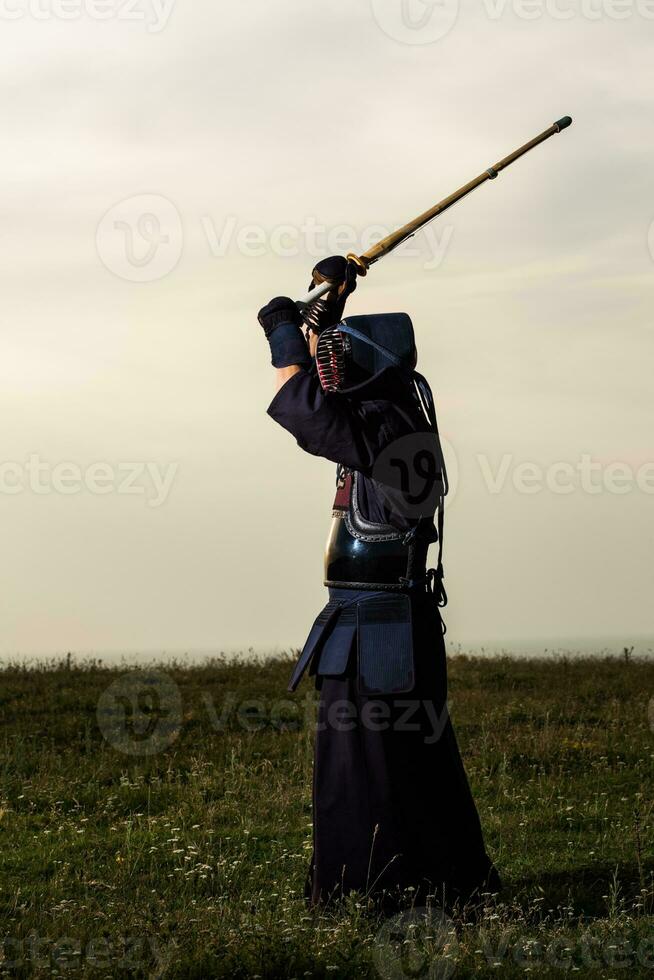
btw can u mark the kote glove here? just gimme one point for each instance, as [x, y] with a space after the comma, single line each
[281, 322]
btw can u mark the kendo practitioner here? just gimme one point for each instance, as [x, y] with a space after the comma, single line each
[393, 814]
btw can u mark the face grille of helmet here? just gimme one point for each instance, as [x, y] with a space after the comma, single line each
[331, 357]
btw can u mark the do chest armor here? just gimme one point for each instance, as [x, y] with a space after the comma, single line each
[361, 554]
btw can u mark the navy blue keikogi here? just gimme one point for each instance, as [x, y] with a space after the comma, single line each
[391, 802]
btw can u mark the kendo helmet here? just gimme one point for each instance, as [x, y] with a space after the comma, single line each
[359, 348]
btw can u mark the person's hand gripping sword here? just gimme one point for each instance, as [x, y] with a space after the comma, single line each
[327, 311]
[282, 320]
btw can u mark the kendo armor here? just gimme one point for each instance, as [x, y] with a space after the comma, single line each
[364, 555]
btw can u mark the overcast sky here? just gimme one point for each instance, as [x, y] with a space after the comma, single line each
[166, 168]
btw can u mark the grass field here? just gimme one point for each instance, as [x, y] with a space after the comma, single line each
[174, 842]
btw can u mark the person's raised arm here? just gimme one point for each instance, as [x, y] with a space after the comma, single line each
[281, 322]
[322, 425]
